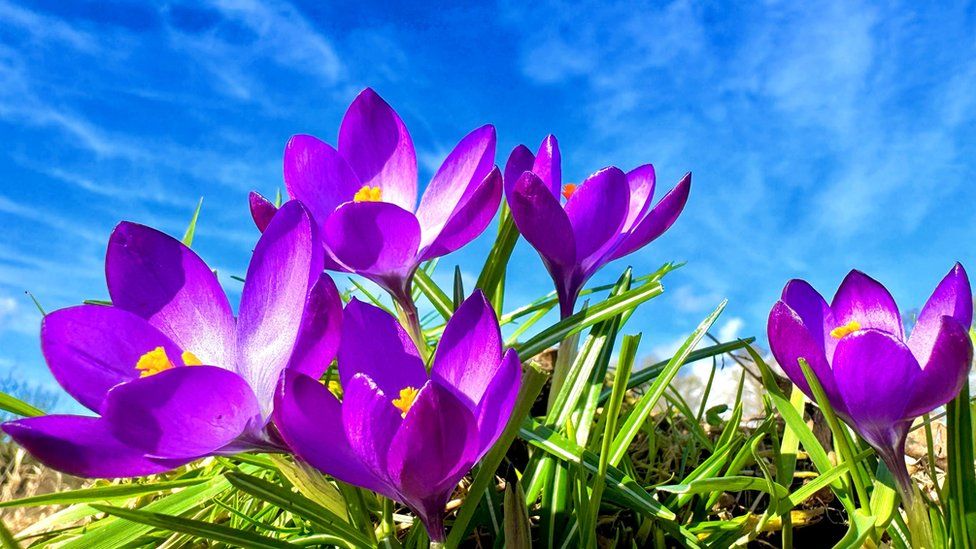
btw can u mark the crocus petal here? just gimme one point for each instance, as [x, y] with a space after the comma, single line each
[262, 210]
[597, 210]
[376, 144]
[464, 169]
[318, 337]
[469, 219]
[285, 262]
[519, 162]
[371, 421]
[160, 279]
[641, 180]
[317, 175]
[84, 447]
[659, 220]
[375, 239]
[435, 446]
[952, 297]
[944, 368]
[873, 371]
[375, 344]
[495, 409]
[813, 311]
[92, 348]
[540, 218]
[309, 419]
[790, 341]
[548, 165]
[866, 301]
[469, 354]
[182, 412]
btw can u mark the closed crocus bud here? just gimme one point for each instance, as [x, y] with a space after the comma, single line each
[877, 379]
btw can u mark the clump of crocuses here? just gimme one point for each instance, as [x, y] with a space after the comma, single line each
[606, 217]
[877, 379]
[171, 373]
[398, 430]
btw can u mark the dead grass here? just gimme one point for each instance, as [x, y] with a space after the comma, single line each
[20, 477]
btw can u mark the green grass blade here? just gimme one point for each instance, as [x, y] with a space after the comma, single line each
[862, 525]
[283, 498]
[14, 405]
[532, 382]
[618, 482]
[809, 489]
[584, 319]
[102, 493]
[191, 229]
[840, 436]
[441, 302]
[643, 408]
[312, 484]
[518, 533]
[496, 263]
[458, 287]
[213, 532]
[115, 533]
[7, 540]
[736, 483]
[649, 373]
[961, 477]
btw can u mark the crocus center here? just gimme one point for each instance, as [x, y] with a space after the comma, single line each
[368, 194]
[568, 190]
[153, 362]
[335, 388]
[407, 397]
[842, 331]
[157, 360]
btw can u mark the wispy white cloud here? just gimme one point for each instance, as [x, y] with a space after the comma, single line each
[43, 28]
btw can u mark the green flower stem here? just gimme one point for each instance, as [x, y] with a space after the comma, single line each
[410, 319]
[839, 439]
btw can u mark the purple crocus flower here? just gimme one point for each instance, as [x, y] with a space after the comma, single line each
[172, 375]
[876, 379]
[399, 431]
[363, 195]
[604, 218]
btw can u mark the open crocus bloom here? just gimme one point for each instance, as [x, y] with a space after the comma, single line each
[604, 218]
[875, 378]
[398, 431]
[364, 194]
[171, 373]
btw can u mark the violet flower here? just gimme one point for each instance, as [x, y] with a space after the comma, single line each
[877, 380]
[399, 431]
[172, 375]
[363, 195]
[604, 218]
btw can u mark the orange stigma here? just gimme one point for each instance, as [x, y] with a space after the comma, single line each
[568, 190]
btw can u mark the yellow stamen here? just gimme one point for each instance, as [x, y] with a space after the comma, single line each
[153, 362]
[368, 194]
[335, 388]
[568, 190]
[190, 359]
[407, 397]
[842, 331]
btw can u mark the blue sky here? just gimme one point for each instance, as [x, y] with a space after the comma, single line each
[822, 136]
